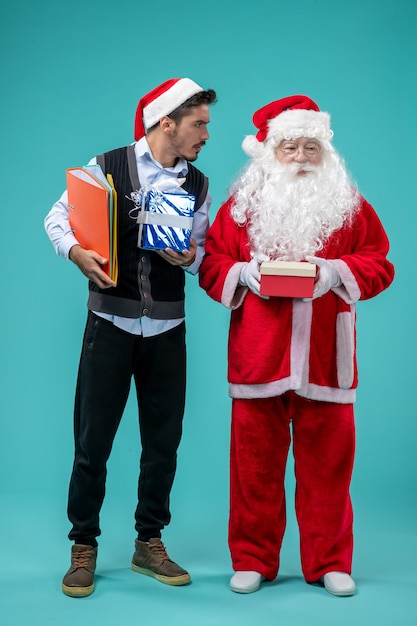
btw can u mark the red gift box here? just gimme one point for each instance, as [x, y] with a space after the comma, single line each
[287, 279]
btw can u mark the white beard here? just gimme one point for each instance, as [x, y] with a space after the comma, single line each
[290, 217]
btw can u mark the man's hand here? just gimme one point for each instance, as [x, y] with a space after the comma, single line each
[89, 262]
[180, 258]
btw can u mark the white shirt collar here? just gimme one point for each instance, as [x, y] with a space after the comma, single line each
[142, 150]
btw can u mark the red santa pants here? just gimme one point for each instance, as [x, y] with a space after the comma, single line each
[323, 436]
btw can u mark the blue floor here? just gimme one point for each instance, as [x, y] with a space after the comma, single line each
[33, 566]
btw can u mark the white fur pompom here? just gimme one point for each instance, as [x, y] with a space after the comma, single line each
[252, 146]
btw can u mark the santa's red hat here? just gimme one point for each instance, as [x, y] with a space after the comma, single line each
[288, 118]
[162, 101]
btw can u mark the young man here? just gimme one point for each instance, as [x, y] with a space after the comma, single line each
[136, 329]
[292, 362]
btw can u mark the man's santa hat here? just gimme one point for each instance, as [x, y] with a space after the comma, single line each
[288, 118]
[162, 101]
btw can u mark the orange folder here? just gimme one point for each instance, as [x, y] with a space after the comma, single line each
[92, 210]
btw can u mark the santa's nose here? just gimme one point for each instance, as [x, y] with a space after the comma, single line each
[300, 157]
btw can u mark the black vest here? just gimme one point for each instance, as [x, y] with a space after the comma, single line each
[147, 284]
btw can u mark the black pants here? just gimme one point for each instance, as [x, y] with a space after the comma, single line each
[109, 359]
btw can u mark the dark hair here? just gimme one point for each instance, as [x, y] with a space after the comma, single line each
[202, 97]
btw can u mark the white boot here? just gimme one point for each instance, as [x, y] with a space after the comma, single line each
[246, 582]
[339, 584]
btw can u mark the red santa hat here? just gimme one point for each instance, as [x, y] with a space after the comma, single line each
[162, 101]
[288, 118]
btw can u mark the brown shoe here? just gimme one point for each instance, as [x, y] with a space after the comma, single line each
[150, 558]
[78, 582]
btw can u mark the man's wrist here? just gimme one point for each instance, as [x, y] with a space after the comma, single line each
[188, 262]
[72, 250]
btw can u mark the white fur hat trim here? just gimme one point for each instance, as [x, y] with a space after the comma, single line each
[168, 101]
[296, 123]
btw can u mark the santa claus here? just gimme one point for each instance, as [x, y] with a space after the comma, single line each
[292, 361]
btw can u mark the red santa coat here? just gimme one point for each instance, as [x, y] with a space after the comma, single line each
[280, 344]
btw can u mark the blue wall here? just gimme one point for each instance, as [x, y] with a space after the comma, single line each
[72, 74]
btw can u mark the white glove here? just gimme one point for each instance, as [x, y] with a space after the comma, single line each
[327, 277]
[250, 276]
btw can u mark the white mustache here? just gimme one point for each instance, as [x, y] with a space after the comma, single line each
[295, 168]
